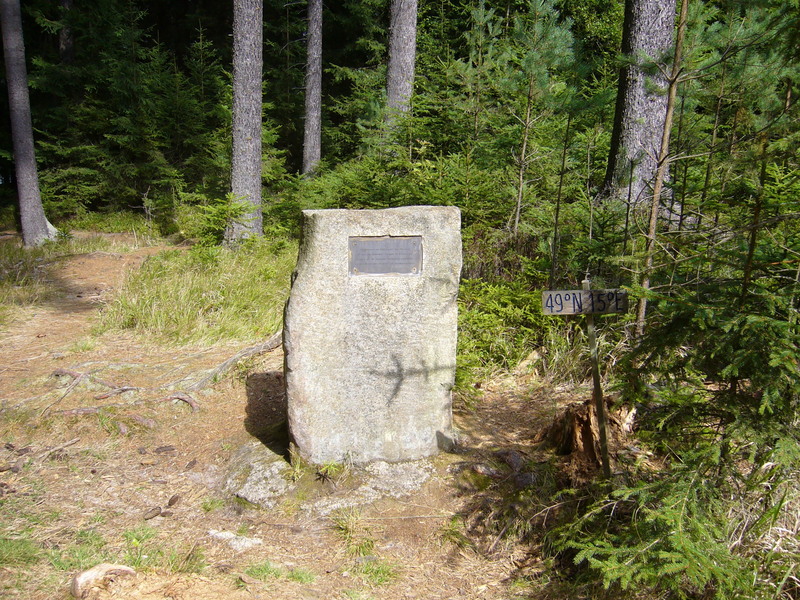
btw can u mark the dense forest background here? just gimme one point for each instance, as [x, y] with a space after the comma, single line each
[512, 118]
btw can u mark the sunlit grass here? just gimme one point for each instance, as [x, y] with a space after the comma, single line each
[18, 551]
[263, 571]
[206, 294]
[112, 222]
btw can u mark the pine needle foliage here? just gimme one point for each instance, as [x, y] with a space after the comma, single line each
[667, 535]
[717, 386]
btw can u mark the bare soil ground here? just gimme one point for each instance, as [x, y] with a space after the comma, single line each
[68, 474]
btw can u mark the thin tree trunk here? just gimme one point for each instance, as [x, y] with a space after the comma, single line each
[554, 254]
[35, 228]
[747, 274]
[523, 157]
[402, 57]
[246, 151]
[663, 163]
[713, 145]
[312, 141]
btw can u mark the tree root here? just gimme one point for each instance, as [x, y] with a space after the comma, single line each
[273, 342]
[211, 377]
[184, 397]
[93, 410]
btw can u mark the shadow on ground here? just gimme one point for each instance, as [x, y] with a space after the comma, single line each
[265, 412]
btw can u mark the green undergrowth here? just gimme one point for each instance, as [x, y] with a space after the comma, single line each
[117, 221]
[501, 328]
[206, 294]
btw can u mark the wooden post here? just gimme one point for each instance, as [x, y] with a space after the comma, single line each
[597, 391]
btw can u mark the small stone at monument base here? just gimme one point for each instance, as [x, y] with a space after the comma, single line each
[258, 475]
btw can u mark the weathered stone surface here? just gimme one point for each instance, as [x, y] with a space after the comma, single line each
[258, 475]
[379, 480]
[370, 358]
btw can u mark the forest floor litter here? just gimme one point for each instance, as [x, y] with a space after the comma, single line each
[104, 455]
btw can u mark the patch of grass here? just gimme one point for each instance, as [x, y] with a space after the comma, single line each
[18, 551]
[207, 294]
[333, 472]
[211, 504]
[11, 420]
[112, 222]
[299, 465]
[263, 571]
[24, 514]
[357, 537]
[141, 552]
[356, 595]
[193, 561]
[85, 344]
[95, 453]
[377, 572]
[87, 551]
[243, 368]
[39, 519]
[24, 272]
[139, 535]
[301, 575]
[452, 532]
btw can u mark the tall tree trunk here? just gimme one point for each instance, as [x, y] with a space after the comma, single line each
[312, 140]
[66, 41]
[663, 163]
[641, 103]
[246, 151]
[35, 227]
[402, 56]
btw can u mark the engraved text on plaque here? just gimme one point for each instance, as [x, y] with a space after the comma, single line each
[387, 255]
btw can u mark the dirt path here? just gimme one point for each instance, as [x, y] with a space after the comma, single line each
[94, 498]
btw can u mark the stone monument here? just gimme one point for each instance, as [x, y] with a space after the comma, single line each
[370, 334]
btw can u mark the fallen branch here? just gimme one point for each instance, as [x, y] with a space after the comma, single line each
[59, 448]
[98, 576]
[78, 377]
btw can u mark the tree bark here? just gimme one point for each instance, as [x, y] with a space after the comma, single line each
[312, 141]
[247, 102]
[641, 101]
[66, 40]
[661, 171]
[35, 227]
[402, 57]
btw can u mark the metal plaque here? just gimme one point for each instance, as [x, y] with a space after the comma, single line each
[584, 302]
[387, 255]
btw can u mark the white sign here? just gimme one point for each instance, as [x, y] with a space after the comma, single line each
[584, 302]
